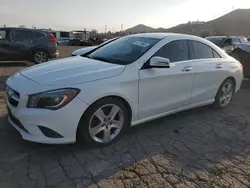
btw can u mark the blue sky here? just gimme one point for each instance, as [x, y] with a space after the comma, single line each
[90, 14]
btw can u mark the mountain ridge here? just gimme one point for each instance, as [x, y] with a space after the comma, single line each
[236, 22]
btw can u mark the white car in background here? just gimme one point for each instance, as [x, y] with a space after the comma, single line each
[129, 81]
[85, 50]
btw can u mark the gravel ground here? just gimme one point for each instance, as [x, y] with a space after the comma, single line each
[202, 147]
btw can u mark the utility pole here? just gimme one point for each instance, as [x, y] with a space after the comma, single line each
[105, 28]
[121, 27]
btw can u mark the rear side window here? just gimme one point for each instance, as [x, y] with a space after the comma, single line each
[175, 51]
[23, 35]
[235, 40]
[202, 51]
[39, 35]
[216, 55]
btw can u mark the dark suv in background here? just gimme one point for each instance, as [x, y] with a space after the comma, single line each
[18, 44]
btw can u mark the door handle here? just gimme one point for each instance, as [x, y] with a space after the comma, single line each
[218, 66]
[187, 69]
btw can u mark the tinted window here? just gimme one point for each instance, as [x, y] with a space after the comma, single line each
[39, 35]
[23, 35]
[216, 40]
[3, 35]
[202, 51]
[216, 55]
[124, 50]
[174, 51]
[235, 40]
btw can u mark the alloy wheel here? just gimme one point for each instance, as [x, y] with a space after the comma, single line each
[106, 123]
[226, 94]
[41, 57]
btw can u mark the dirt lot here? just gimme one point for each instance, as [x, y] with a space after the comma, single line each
[197, 148]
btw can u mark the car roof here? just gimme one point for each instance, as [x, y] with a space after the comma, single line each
[40, 30]
[164, 35]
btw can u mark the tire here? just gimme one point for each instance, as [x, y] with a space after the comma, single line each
[40, 56]
[225, 94]
[97, 132]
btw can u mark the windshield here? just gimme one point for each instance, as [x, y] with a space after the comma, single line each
[124, 51]
[216, 40]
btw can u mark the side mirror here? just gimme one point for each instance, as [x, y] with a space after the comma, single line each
[159, 62]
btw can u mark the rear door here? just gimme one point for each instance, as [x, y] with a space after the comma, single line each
[22, 44]
[209, 68]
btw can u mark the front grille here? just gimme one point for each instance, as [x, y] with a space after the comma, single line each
[16, 121]
[13, 97]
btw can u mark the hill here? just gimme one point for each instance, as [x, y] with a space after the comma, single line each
[140, 29]
[236, 22]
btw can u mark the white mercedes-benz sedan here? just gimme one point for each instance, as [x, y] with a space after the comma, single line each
[129, 81]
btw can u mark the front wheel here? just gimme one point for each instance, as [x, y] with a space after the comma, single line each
[225, 94]
[40, 56]
[104, 122]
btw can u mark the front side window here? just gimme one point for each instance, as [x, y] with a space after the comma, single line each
[124, 51]
[202, 51]
[235, 40]
[175, 51]
[3, 35]
[23, 35]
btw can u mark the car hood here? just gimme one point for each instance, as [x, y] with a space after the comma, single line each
[73, 70]
[82, 51]
[243, 46]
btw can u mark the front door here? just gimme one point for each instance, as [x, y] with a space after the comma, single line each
[5, 50]
[165, 89]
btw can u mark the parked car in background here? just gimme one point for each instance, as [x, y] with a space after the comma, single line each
[228, 43]
[63, 41]
[75, 42]
[134, 79]
[18, 44]
[236, 46]
[86, 50]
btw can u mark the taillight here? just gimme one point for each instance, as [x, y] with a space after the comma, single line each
[52, 38]
[241, 65]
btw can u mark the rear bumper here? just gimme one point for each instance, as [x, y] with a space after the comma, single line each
[54, 54]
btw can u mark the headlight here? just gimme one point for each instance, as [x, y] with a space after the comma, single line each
[52, 100]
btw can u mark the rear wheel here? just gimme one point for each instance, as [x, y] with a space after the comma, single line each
[225, 94]
[104, 122]
[40, 56]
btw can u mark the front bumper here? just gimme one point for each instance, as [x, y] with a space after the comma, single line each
[64, 122]
[42, 125]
